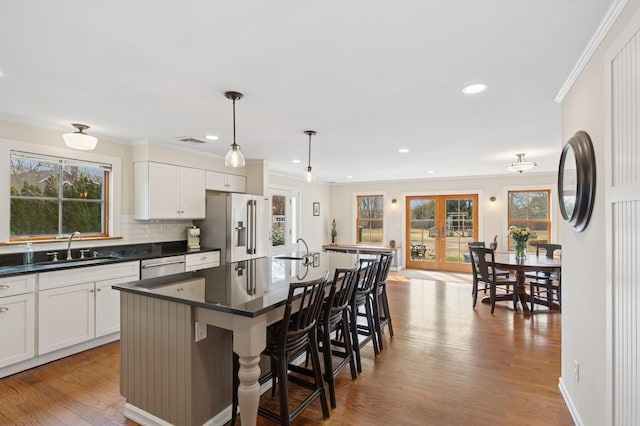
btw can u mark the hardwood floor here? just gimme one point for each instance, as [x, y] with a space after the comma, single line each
[447, 365]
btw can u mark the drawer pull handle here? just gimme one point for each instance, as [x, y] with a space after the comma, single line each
[4, 286]
[3, 309]
[154, 265]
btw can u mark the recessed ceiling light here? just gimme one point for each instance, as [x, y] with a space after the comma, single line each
[295, 161]
[472, 89]
[431, 171]
[349, 177]
[403, 150]
[212, 137]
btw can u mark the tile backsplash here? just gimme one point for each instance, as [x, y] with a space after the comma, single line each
[132, 231]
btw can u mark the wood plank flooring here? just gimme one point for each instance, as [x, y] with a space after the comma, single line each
[447, 365]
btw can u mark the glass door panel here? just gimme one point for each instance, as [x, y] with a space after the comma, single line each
[439, 229]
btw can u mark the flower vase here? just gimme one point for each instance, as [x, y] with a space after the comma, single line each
[521, 249]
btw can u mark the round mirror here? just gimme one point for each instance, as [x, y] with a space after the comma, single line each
[577, 181]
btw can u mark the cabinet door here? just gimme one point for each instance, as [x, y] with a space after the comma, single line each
[65, 316]
[163, 191]
[108, 306]
[192, 193]
[17, 328]
[236, 183]
[215, 181]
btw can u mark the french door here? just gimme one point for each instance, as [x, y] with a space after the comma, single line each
[438, 230]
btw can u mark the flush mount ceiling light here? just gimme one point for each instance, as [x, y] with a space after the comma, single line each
[521, 164]
[79, 139]
[475, 88]
[211, 137]
[308, 176]
[234, 157]
[403, 150]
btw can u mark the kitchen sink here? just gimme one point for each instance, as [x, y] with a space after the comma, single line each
[85, 261]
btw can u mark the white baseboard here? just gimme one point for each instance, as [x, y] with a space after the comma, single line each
[61, 353]
[567, 399]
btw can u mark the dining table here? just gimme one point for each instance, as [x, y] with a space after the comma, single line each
[520, 266]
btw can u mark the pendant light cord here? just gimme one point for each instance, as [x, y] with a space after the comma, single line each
[309, 162]
[234, 122]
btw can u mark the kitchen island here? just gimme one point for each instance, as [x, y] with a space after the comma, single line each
[170, 372]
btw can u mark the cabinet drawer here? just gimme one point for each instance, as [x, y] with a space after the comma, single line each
[196, 261]
[19, 284]
[73, 276]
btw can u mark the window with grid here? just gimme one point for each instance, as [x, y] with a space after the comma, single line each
[53, 196]
[530, 209]
[369, 219]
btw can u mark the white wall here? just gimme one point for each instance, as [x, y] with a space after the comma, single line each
[492, 215]
[583, 254]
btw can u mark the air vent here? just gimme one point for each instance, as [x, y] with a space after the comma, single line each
[192, 139]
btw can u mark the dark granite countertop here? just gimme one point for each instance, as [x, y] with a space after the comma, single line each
[229, 288]
[11, 264]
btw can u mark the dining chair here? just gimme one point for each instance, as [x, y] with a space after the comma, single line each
[484, 271]
[381, 311]
[287, 339]
[546, 285]
[501, 273]
[361, 306]
[334, 321]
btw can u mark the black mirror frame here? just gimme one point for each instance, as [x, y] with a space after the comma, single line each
[585, 157]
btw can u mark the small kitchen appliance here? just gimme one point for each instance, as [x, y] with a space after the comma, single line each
[193, 238]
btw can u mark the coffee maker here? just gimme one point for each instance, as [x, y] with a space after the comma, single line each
[193, 238]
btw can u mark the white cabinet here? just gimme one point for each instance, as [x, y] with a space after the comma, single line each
[17, 328]
[165, 191]
[216, 181]
[76, 305]
[65, 316]
[200, 260]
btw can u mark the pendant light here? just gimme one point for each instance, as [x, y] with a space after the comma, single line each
[308, 176]
[234, 157]
[79, 139]
[521, 164]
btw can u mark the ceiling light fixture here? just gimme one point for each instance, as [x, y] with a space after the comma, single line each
[212, 137]
[79, 139]
[403, 150]
[308, 176]
[475, 88]
[234, 157]
[521, 164]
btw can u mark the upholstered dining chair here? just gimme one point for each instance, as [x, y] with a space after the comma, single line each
[484, 272]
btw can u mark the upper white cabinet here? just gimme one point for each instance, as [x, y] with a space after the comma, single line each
[216, 181]
[165, 191]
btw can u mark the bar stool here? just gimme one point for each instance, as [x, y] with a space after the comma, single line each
[295, 334]
[335, 320]
[381, 311]
[363, 333]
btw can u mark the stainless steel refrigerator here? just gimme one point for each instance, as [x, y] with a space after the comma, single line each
[237, 225]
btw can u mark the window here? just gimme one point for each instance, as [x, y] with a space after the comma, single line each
[52, 196]
[369, 219]
[530, 209]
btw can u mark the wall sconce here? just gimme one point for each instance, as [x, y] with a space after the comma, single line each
[492, 199]
[394, 203]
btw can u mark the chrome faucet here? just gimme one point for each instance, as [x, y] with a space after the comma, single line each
[69, 243]
[305, 246]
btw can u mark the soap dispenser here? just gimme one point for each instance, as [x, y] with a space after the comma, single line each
[28, 254]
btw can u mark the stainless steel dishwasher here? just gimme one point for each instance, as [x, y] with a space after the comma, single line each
[161, 266]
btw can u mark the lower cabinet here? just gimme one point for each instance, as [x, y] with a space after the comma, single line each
[71, 312]
[66, 316]
[17, 328]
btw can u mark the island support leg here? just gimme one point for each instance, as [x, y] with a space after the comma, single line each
[249, 340]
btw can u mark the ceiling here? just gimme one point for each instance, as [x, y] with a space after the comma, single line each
[370, 77]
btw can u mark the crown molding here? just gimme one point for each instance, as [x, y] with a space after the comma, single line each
[605, 25]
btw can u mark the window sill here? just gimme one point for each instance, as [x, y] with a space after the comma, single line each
[56, 240]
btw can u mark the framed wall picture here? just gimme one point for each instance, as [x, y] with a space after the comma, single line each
[316, 209]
